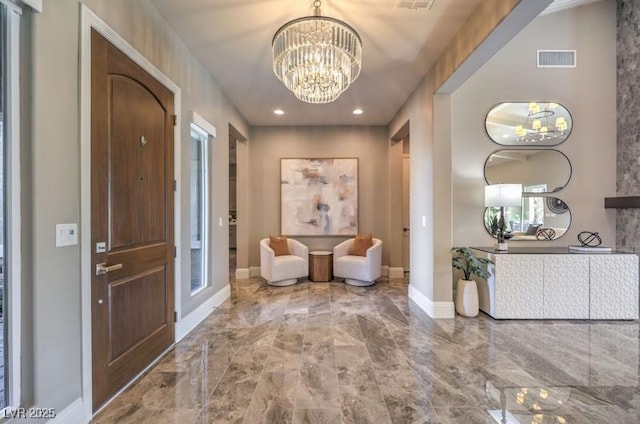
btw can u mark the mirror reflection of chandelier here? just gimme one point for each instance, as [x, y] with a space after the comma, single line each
[541, 123]
[317, 57]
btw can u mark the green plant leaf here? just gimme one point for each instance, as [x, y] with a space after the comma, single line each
[465, 260]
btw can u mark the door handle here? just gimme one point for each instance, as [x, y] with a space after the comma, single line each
[405, 229]
[103, 268]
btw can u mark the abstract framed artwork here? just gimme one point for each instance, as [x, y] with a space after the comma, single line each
[319, 196]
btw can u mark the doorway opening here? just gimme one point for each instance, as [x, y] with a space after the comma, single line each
[406, 202]
[400, 218]
[233, 234]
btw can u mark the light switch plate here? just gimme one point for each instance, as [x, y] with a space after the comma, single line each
[66, 235]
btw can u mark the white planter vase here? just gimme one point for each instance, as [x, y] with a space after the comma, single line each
[467, 298]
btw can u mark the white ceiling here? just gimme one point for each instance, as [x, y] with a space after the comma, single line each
[232, 39]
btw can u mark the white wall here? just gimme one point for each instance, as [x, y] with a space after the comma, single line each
[54, 163]
[268, 145]
[589, 93]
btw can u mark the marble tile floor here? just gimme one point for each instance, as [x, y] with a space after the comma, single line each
[332, 353]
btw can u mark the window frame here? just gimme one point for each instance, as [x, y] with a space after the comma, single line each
[208, 133]
[13, 267]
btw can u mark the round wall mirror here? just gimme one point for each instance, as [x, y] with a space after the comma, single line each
[539, 218]
[539, 171]
[528, 124]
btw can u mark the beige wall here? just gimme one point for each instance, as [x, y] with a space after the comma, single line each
[268, 145]
[589, 93]
[493, 23]
[418, 111]
[54, 161]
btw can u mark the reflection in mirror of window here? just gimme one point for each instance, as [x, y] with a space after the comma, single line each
[529, 123]
[199, 190]
[536, 213]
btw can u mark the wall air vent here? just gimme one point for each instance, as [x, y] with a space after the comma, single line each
[417, 5]
[556, 58]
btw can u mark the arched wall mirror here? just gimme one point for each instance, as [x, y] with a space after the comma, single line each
[529, 124]
[538, 170]
[539, 218]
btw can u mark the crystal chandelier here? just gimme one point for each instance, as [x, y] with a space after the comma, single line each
[317, 57]
[541, 124]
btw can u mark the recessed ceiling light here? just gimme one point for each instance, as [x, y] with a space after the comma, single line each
[279, 112]
[358, 111]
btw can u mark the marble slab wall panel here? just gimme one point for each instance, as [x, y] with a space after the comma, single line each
[628, 147]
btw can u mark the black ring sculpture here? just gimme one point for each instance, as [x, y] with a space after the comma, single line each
[589, 239]
[546, 234]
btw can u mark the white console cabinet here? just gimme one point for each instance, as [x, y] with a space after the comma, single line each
[551, 283]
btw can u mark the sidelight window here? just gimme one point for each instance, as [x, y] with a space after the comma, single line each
[10, 260]
[199, 208]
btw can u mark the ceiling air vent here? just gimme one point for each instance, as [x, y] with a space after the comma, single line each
[556, 58]
[422, 5]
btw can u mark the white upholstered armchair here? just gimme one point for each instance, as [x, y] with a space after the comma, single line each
[284, 270]
[358, 270]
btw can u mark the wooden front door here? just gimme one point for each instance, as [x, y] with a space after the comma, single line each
[131, 218]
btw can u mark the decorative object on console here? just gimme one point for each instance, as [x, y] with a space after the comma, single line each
[467, 303]
[546, 234]
[584, 249]
[590, 242]
[317, 57]
[502, 195]
[283, 270]
[589, 239]
[358, 270]
[319, 196]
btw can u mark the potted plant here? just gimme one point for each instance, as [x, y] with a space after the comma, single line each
[467, 289]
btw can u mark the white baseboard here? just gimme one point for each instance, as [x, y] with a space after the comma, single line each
[72, 414]
[188, 323]
[243, 273]
[396, 272]
[384, 269]
[254, 271]
[437, 310]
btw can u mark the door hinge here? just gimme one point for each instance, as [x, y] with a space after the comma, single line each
[175, 251]
[175, 316]
[174, 118]
[175, 185]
